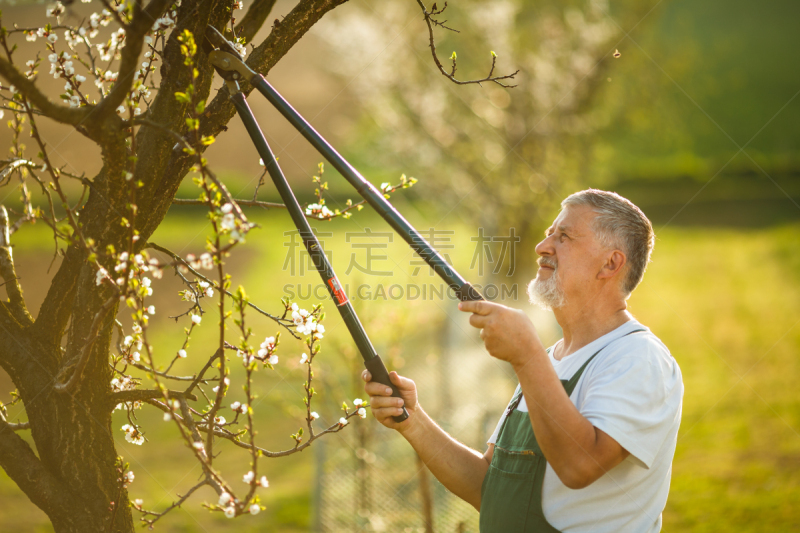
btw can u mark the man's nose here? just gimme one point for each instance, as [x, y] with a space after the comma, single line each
[545, 247]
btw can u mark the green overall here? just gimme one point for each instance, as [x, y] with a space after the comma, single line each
[511, 495]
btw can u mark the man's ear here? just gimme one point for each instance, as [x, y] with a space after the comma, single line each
[614, 264]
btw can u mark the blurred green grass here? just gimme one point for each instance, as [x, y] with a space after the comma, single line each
[726, 303]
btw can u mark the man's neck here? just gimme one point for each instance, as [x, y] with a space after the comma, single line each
[584, 324]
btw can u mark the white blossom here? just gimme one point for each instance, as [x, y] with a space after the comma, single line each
[224, 498]
[255, 509]
[273, 360]
[314, 415]
[52, 37]
[362, 412]
[358, 401]
[263, 482]
[55, 10]
[138, 502]
[182, 353]
[303, 358]
[343, 421]
[129, 477]
[230, 512]
[167, 417]
[196, 319]
[268, 343]
[151, 310]
[102, 273]
[226, 208]
[249, 477]
[228, 222]
[120, 109]
[133, 435]
[235, 406]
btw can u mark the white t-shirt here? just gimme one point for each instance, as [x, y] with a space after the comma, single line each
[633, 391]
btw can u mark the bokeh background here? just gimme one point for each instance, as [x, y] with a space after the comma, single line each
[697, 121]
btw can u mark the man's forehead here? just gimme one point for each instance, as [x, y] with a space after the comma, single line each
[573, 217]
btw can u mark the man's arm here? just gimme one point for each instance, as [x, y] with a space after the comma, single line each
[578, 452]
[459, 468]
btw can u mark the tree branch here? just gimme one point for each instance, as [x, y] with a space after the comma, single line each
[151, 521]
[129, 63]
[246, 203]
[164, 374]
[9, 273]
[141, 395]
[285, 33]
[335, 428]
[59, 113]
[256, 14]
[431, 22]
[44, 489]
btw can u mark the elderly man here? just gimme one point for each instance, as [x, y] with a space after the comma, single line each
[587, 442]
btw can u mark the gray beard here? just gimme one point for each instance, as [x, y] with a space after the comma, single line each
[547, 294]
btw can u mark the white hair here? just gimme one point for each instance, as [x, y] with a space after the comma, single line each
[619, 224]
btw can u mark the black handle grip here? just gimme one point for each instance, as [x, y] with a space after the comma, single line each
[467, 293]
[381, 375]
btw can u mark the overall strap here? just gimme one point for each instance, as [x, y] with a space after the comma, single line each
[573, 381]
[570, 384]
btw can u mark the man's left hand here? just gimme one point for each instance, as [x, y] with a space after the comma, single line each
[507, 333]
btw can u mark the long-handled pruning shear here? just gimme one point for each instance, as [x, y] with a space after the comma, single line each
[230, 66]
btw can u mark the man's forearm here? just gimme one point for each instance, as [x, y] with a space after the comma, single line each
[459, 468]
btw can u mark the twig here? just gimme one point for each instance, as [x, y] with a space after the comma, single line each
[142, 395]
[165, 375]
[431, 22]
[335, 428]
[171, 507]
[202, 372]
[246, 203]
[288, 324]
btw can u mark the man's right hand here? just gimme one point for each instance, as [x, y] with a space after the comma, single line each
[384, 406]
